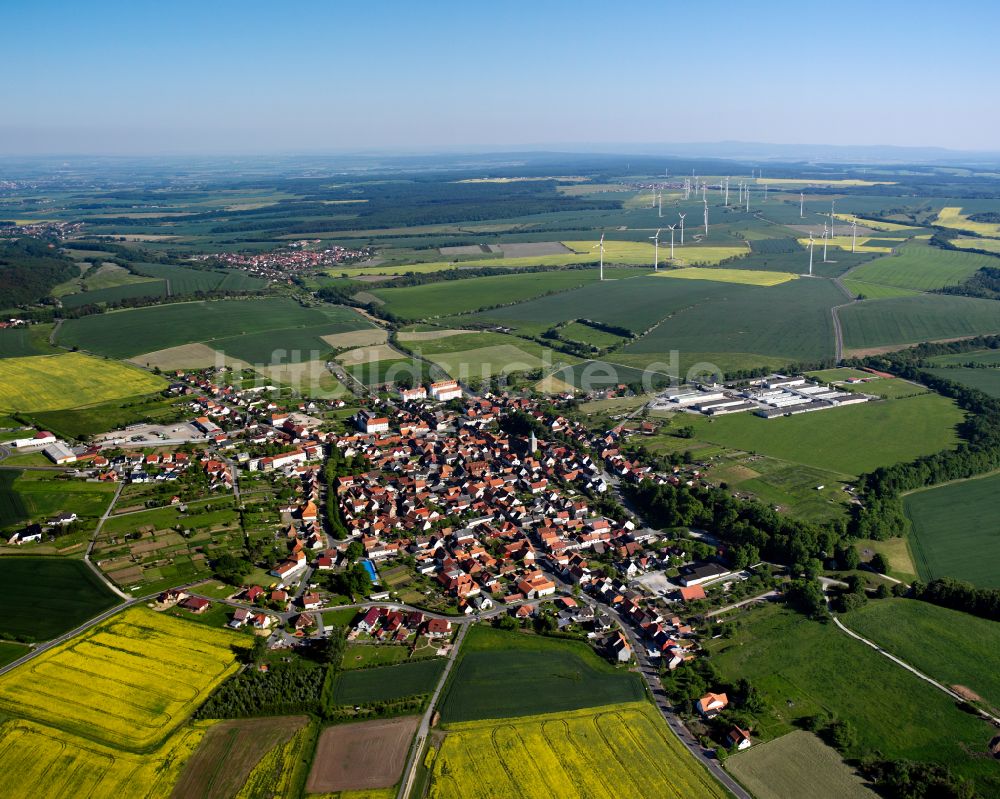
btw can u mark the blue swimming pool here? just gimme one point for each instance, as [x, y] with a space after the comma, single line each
[370, 568]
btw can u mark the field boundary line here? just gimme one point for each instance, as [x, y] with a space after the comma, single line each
[916, 672]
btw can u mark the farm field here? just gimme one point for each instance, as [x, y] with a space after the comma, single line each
[990, 245]
[41, 761]
[909, 320]
[125, 334]
[790, 321]
[182, 280]
[952, 217]
[145, 671]
[363, 756]
[113, 294]
[803, 668]
[746, 276]
[52, 382]
[44, 494]
[953, 647]
[876, 291]
[985, 380]
[18, 341]
[387, 682]
[600, 753]
[10, 652]
[485, 362]
[634, 304]
[984, 357]
[376, 373]
[894, 431]
[886, 387]
[921, 267]
[871, 224]
[502, 674]
[12, 508]
[93, 419]
[576, 331]
[470, 294]
[954, 531]
[797, 764]
[229, 752]
[45, 597]
[864, 244]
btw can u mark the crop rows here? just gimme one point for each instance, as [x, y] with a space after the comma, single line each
[143, 672]
[610, 752]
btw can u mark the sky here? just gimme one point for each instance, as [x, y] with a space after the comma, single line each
[223, 77]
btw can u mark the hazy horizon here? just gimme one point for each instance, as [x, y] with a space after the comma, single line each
[241, 78]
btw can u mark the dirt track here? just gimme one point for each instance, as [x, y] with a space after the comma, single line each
[367, 755]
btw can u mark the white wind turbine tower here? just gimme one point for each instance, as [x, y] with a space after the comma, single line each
[682, 227]
[659, 200]
[833, 204]
[671, 229]
[765, 192]
[704, 191]
[601, 245]
[656, 250]
[748, 198]
[810, 253]
[854, 235]
[802, 205]
[706, 217]
[727, 192]
[825, 241]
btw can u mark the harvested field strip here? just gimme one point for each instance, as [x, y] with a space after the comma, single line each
[366, 755]
[229, 753]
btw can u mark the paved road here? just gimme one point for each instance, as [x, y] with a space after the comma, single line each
[425, 723]
[903, 664]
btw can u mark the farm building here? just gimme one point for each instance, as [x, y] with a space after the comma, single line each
[59, 453]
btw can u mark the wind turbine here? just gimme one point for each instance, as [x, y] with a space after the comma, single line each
[706, 217]
[810, 253]
[727, 192]
[765, 192]
[660, 201]
[825, 241]
[854, 235]
[656, 249]
[601, 245]
[704, 191]
[802, 205]
[833, 203]
[682, 227]
[671, 229]
[748, 198]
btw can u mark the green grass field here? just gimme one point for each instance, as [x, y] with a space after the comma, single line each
[505, 674]
[635, 304]
[986, 380]
[797, 764]
[18, 341]
[460, 296]
[910, 320]
[888, 388]
[113, 294]
[790, 321]
[803, 668]
[374, 373]
[12, 508]
[44, 494]
[124, 334]
[953, 647]
[875, 291]
[956, 532]
[45, 597]
[383, 683]
[93, 419]
[921, 267]
[53, 382]
[188, 281]
[849, 440]
[984, 357]
[10, 652]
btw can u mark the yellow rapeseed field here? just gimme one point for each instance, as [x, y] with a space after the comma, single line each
[887, 227]
[40, 761]
[599, 753]
[844, 243]
[129, 682]
[745, 276]
[53, 382]
[953, 217]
